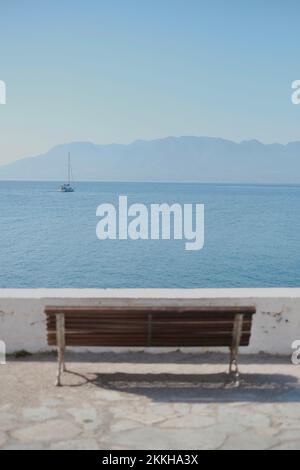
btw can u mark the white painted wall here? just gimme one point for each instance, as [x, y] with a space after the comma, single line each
[276, 323]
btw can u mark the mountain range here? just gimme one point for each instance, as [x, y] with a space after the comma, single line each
[182, 159]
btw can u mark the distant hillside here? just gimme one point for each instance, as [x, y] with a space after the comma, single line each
[200, 159]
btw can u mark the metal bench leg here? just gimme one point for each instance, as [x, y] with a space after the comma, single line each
[63, 346]
[64, 362]
[234, 350]
[60, 341]
[234, 367]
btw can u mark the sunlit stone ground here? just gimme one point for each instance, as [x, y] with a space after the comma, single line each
[146, 401]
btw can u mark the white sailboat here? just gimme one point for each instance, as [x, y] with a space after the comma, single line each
[66, 187]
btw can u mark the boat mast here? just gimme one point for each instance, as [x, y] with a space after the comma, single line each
[69, 168]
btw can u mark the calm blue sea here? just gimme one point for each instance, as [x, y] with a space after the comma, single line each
[48, 239]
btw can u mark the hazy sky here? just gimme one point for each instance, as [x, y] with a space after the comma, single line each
[120, 70]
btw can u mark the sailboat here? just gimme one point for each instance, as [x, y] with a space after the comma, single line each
[66, 187]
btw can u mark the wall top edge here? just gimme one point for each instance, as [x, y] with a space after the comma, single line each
[150, 293]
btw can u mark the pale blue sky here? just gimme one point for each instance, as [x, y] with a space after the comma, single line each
[120, 70]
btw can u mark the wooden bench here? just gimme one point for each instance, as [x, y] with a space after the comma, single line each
[155, 326]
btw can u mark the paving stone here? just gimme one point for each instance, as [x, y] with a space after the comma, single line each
[56, 430]
[39, 414]
[290, 435]
[189, 421]
[3, 439]
[291, 445]
[147, 414]
[82, 444]
[110, 395]
[244, 417]
[52, 402]
[153, 438]
[114, 447]
[86, 416]
[270, 431]
[200, 408]
[182, 408]
[284, 423]
[36, 446]
[290, 410]
[123, 425]
[7, 421]
[248, 440]
[5, 407]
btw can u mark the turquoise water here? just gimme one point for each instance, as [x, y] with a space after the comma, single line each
[48, 239]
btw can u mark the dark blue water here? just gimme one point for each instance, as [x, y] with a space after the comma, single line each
[48, 239]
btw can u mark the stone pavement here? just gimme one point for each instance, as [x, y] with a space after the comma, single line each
[149, 401]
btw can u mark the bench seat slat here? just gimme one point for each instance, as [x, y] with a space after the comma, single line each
[142, 343]
[142, 340]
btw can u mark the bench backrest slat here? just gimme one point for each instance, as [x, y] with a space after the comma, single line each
[140, 309]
